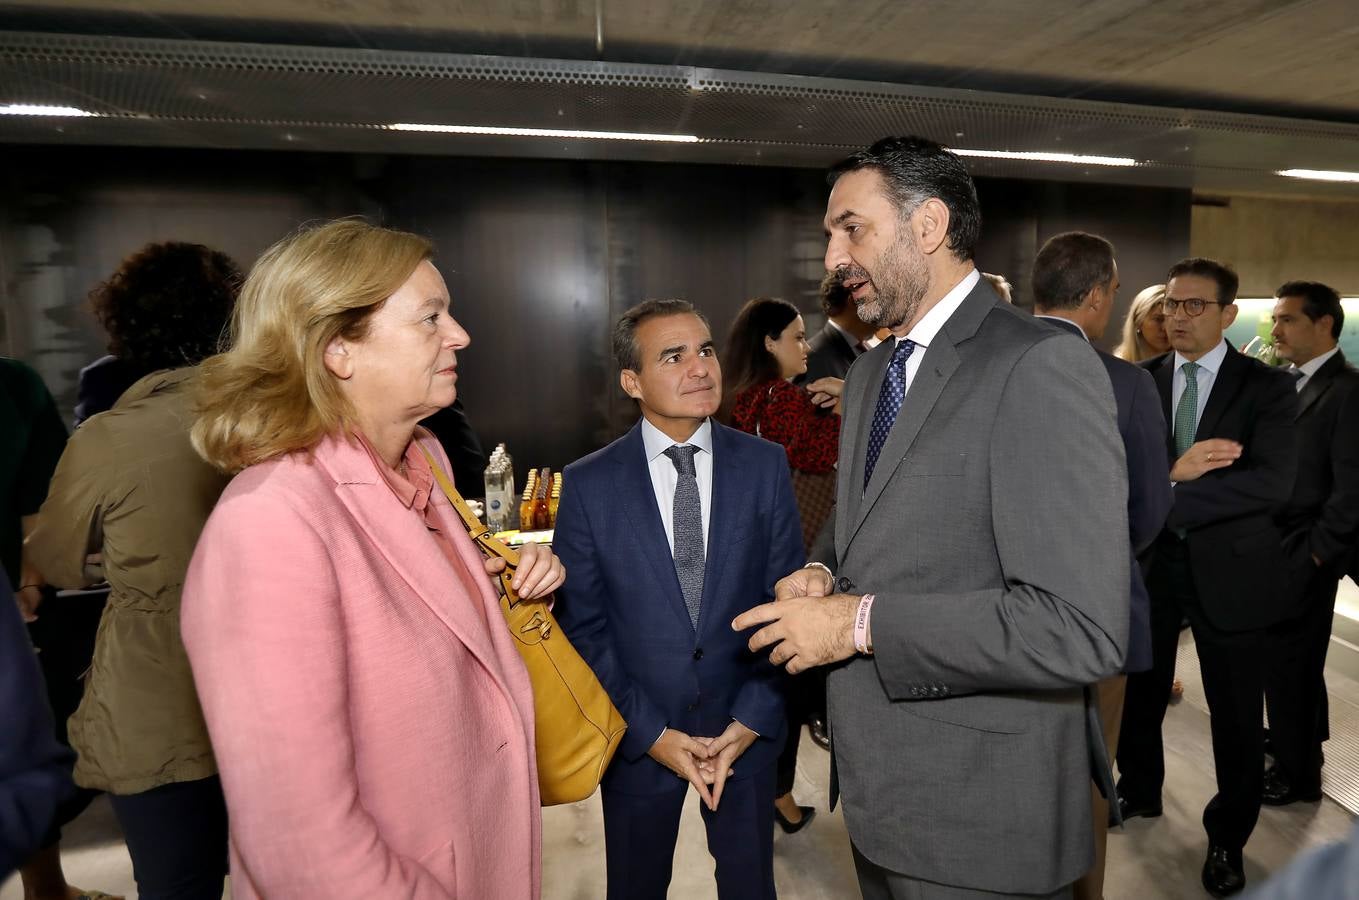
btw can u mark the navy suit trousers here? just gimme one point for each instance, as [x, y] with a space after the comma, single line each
[640, 832]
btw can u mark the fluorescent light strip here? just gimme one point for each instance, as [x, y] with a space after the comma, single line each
[34, 109]
[1320, 174]
[1030, 156]
[546, 132]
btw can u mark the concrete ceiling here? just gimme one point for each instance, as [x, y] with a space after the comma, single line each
[1260, 56]
[1214, 95]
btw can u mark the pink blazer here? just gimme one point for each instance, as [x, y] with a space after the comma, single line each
[374, 733]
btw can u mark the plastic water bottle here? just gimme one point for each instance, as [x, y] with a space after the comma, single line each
[509, 483]
[499, 480]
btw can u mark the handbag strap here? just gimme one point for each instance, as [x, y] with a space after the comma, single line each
[475, 529]
[761, 407]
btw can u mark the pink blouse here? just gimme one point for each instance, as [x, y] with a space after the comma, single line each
[413, 490]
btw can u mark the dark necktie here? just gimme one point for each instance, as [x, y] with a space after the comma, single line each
[890, 396]
[687, 525]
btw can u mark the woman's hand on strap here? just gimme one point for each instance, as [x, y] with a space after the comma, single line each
[540, 572]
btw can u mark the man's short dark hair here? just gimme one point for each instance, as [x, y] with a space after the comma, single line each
[1221, 273]
[914, 170]
[834, 295]
[1068, 267]
[1317, 300]
[625, 350]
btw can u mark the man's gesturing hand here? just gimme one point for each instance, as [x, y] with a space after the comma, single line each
[681, 754]
[808, 631]
[1204, 457]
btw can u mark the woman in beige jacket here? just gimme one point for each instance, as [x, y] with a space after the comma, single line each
[130, 487]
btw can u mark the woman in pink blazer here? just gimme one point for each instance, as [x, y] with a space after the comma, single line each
[370, 715]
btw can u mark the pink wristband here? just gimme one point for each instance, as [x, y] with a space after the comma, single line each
[861, 624]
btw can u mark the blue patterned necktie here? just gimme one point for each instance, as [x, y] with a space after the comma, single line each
[891, 395]
[687, 525]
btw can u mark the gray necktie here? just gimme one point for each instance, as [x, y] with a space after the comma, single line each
[688, 529]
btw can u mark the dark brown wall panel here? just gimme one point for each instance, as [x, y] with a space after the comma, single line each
[540, 256]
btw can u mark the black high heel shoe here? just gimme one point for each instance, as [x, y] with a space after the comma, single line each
[808, 813]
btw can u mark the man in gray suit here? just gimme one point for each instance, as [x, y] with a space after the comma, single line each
[978, 575]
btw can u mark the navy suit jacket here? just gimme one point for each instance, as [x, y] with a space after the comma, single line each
[624, 611]
[1143, 429]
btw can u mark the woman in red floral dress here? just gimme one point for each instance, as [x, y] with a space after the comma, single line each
[767, 347]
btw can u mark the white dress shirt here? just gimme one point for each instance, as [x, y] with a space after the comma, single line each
[1209, 365]
[1309, 368]
[664, 475]
[933, 321]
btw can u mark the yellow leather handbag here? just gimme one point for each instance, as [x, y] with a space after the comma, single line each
[577, 727]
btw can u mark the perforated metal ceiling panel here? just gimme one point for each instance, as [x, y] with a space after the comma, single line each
[195, 93]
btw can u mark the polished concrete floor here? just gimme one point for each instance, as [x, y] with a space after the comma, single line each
[1148, 859]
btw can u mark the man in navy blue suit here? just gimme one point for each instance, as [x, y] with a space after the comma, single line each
[1075, 279]
[667, 535]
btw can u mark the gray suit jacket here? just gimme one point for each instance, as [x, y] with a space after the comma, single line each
[994, 534]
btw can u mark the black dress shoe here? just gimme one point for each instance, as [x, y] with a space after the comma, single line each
[1223, 874]
[808, 813]
[1133, 810]
[816, 727]
[1279, 791]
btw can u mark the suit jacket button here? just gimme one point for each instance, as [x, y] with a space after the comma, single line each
[698, 654]
[845, 585]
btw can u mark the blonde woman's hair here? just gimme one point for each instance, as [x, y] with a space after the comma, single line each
[271, 393]
[1133, 348]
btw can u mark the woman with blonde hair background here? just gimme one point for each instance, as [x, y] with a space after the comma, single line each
[371, 717]
[1144, 331]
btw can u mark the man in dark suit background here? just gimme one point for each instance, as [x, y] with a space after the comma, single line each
[841, 340]
[669, 533]
[1219, 561]
[1075, 280]
[1320, 523]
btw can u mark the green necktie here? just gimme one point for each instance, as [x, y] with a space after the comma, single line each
[1186, 414]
